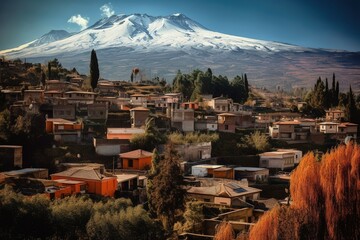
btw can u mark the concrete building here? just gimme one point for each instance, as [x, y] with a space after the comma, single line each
[183, 119]
[138, 116]
[194, 151]
[204, 170]
[64, 111]
[252, 174]
[277, 160]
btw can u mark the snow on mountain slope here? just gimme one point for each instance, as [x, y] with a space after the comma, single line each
[142, 32]
[161, 46]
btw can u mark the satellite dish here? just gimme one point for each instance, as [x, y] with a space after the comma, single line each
[30, 106]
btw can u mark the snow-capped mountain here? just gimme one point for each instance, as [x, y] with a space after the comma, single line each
[162, 45]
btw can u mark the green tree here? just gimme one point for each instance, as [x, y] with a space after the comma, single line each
[256, 140]
[351, 110]
[246, 83]
[49, 71]
[94, 70]
[168, 195]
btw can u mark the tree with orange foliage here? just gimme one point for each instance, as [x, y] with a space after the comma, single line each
[224, 231]
[325, 200]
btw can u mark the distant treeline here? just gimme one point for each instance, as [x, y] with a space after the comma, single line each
[196, 83]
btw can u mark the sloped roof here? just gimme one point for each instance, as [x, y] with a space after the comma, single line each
[139, 153]
[86, 173]
[230, 190]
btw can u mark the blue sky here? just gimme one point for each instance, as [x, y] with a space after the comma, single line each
[333, 24]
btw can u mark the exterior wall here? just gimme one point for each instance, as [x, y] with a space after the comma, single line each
[227, 123]
[199, 197]
[80, 97]
[97, 111]
[138, 118]
[64, 111]
[252, 176]
[105, 187]
[286, 128]
[183, 119]
[139, 164]
[228, 174]
[277, 163]
[328, 128]
[222, 201]
[244, 121]
[138, 100]
[110, 147]
[195, 151]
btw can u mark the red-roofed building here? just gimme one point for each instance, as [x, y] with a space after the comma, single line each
[137, 159]
[97, 180]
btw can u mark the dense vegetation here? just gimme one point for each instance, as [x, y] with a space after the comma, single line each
[325, 198]
[73, 218]
[322, 97]
[194, 84]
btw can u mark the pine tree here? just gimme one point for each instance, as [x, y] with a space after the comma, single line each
[327, 95]
[168, 196]
[94, 70]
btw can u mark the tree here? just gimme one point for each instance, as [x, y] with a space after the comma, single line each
[168, 196]
[43, 78]
[132, 77]
[246, 88]
[224, 231]
[94, 70]
[49, 71]
[256, 140]
[325, 200]
[351, 110]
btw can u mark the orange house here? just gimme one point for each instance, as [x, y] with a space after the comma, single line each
[97, 181]
[56, 192]
[137, 159]
[75, 186]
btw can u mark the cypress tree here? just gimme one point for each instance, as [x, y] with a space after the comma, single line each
[43, 78]
[49, 70]
[132, 77]
[327, 95]
[336, 96]
[351, 109]
[246, 88]
[94, 70]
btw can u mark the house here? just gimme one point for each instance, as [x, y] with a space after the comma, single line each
[56, 85]
[266, 119]
[252, 174]
[110, 147]
[297, 154]
[208, 123]
[204, 170]
[220, 104]
[34, 95]
[10, 157]
[76, 81]
[335, 114]
[291, 130]
[97, 111]
[138, 116]
[139, 100]
[80, 97]
[244, 120]
[64, 130]
[123, 133]
[64, 111]
[128, 182]
[190, 105]
[328, 127]
[97, 180]
[138, 159]
[194, 151]
[346, 129]
[232, 194]
[182, 119]
[223, 172]
[54, 97]
[75, 186]
[106, 87]
[277, 160]
[226, 122]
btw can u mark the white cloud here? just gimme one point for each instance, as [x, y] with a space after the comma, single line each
[107, 10]
[79, 20]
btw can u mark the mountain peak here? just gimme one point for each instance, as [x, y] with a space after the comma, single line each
[52, 36]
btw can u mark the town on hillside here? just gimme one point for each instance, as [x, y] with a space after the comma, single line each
[183, 156]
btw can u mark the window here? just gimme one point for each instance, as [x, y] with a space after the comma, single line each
[206, 199]
[130, 163]
[226, 127]
[68, 113]
[101, 113]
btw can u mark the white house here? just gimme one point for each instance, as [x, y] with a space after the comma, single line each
[277, 160]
